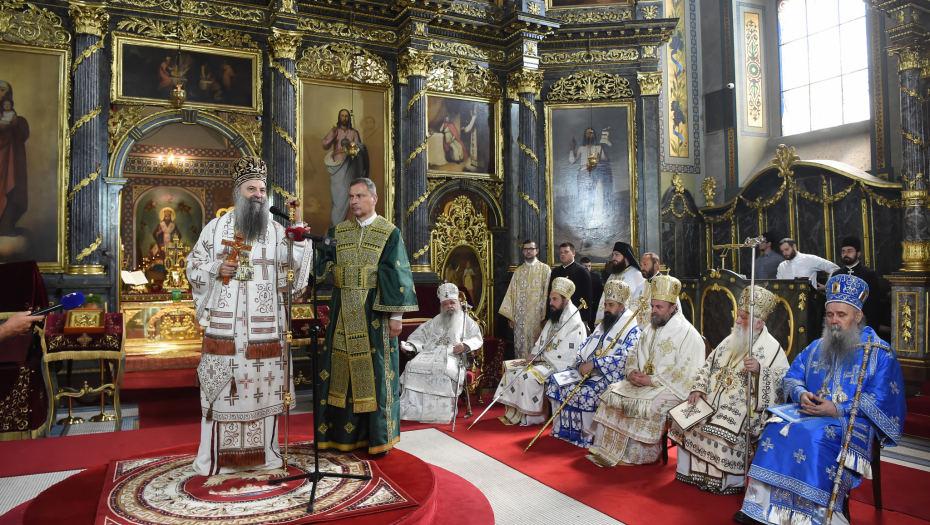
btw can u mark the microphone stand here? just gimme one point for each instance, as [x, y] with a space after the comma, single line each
[316, 476]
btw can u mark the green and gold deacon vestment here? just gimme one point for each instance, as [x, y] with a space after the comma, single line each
[360, 372]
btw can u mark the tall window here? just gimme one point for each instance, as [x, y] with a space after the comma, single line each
[824, 64]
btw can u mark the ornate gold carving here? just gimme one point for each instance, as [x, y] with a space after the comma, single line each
[802, 301]
[529, 201]
[761, 203]
[707, 188]
[14, 409]
[88, 19]
[416, 152]
[85, 119]
[353, 32]
[650, 51]
[826, 199]
[90, 249]
[463, 77]
[908, 58]
[914, 139]
[121, 121]
[524, 81]
[530, 105]
[421, 252]
[283, 45]
[414, 99]
[477, 12]
[287, 6]
[280, 131]
[96, 46]
[413, 63]
[907, 326]
[497, 190]
[84, 182]
[344, 62]
[287, 75]
[531, 48]
[190, 32]
[281, 191]
[624, 54]
[650, 12]
[590, 85]
[678, 195]
[888, 203]
[593, 18]
[784, 159]
[916, 256]
[25, 23]
[533, 7]
[529, 152]
[433, 183]
[416, 203]
[922, 100]
[250, 129]
[649, 83]
[466, 51]
[205, 9]
[463, 225]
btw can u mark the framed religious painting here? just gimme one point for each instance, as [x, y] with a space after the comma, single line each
[35, 146]
[147, 71]
[591, 191]
[163, 216]
[463, 136]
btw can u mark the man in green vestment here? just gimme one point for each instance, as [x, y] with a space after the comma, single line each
[360, 370]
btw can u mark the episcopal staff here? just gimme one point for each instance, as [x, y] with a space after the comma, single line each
[373, 286]
[242, 370]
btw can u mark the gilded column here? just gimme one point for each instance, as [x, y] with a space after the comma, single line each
[413, 65]
[88, 147]
[650, 83]
[282, 155]
[524, 86]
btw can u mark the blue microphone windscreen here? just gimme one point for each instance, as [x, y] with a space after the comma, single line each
[72, 300]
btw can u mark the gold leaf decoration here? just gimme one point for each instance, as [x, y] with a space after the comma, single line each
[590, 85]
[340, 30]
[477, 12]
[89, 20]
[205, 9]
[590, 18]
[283, 45]
[524, 81]
[649, 83]
[250, 129]
[190, 32]
[25, 23]
[462, 225]
[650, 12]
[624, 54]
[784, 159]
[464, 77]
[344, 62]
[90, 249]
[121, 121]
[466, 51]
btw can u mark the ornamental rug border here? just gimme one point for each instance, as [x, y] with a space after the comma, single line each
[164, 489]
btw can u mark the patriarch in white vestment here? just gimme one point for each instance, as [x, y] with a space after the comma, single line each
[712, 453]
[623, 266]
[433, 380]
[603, 355]
[524, 304]
[631, 415]
[524, 393]
[243, 369]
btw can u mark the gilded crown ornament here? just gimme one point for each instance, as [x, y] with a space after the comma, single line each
[248, 168]
[617, 291]
[765, 302]
[849, 289]
[447, 291]
[563, 287]
[665, 288]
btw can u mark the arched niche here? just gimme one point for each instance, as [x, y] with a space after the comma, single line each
[485, 191]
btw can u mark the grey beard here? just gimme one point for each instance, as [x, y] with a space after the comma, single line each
[838, 345]
[251, 217]
[450, 321]
[741, 338]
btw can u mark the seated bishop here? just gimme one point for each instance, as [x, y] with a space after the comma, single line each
[522, 390]
[631, 415]
[712, 451]
[433, 380]
[598, 363]
[796, 472]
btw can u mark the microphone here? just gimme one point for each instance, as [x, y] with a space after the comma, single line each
[277, 211]
[68, 302]
[295, 234]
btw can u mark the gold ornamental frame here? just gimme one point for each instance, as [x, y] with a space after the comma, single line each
[116, 82]
[630, 104]
[60, 265]
[463, 225]
[612, 5]
[497, 129]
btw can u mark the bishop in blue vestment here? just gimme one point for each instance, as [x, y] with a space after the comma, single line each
[794, 468]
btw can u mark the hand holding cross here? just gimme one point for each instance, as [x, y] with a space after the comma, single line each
[236, 245]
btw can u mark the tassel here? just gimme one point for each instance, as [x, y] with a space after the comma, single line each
[242, 458]
[784, 431]
[263, 350]
[217, 346]
[232, 388]
[210, 413]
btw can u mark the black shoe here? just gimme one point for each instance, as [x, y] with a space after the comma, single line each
[742, 517]
[380, 455]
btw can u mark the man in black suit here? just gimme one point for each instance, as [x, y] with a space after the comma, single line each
[597, 287]
[850, 252]
[574, 272]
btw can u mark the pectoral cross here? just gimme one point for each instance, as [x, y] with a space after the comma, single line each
[236, 245]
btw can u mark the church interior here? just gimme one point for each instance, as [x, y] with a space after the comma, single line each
[711, 145]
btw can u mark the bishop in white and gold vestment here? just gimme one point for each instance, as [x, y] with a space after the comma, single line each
[243, 370]
[659, 372]
[631, 274]
[433, 380]
[525, 302]
[524, 394]
[712, 454]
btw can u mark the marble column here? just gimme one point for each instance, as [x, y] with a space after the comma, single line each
[88, 150]
[413, 65]
[650, 224]
[282, 155]
[526, 85]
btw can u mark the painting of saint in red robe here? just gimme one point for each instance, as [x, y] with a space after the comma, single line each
[14, 131]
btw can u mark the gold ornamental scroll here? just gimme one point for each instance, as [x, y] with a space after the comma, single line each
[355, 273]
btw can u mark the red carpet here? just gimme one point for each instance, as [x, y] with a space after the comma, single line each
[169, 412]
[158, 385]
[917, 419]
[139, 363]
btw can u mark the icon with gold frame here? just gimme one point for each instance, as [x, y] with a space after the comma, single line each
[84, 321]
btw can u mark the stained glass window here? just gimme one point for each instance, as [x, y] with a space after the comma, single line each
[824, 64]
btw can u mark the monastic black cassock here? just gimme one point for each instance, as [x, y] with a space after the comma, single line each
[872, 305]
[597, 289]
[579, 275]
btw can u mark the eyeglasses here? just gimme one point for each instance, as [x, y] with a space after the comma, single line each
[530, 249]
